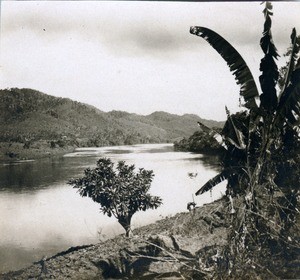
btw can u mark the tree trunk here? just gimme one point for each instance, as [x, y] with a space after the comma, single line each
[125, 222]
[128, 232]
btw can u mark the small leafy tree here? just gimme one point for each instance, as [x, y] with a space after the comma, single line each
[121, 192]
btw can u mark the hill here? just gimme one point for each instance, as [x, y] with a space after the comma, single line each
[34, 120]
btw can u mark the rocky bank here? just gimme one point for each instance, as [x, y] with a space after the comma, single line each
[184, 246]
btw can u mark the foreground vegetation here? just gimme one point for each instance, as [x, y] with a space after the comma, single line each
[261, 162]
[120, 191]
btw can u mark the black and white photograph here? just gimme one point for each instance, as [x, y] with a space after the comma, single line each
[149, 140]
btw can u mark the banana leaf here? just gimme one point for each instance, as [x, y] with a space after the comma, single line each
[268, 67]
[237, 65]
[238, 140]
[217, 136]
[225, 174]
[291, 65]
[289, 105]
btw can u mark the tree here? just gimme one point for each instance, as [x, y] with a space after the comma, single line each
[199, 142]
[261, 162]
[121, 192]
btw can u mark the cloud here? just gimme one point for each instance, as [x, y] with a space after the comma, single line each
[134, 56]
[125, 36]
[151, 29]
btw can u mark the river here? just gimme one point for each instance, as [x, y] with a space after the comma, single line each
[41, 215]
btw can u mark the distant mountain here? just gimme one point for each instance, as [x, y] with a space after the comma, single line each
[180, 126]
[27, 116]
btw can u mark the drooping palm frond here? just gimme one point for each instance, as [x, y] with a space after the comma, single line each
[235, 62]
[225, 174]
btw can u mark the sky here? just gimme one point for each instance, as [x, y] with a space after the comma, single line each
[135, 56]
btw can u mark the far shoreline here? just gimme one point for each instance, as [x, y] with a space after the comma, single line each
[15, 152]
[12, 152]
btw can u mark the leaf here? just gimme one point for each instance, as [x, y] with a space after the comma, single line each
[235, 62]
[291, 65]
[211, 132]
[268, 67]
[205, 128]
[238, 135]
[289, 105]
[225, 174]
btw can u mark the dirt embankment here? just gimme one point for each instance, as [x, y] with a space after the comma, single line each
[171, 248]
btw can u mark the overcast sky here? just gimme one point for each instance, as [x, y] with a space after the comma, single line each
[135, 56]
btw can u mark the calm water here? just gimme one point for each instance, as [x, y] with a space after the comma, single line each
[41, 215]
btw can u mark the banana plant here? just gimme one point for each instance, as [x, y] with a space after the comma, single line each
[270, 115]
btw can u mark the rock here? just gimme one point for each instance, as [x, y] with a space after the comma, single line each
[163, 241]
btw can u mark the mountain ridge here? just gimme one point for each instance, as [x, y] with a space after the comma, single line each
[29, 116]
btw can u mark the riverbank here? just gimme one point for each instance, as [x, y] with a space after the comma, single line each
[170, 248]
[15, 151]
[186, 246]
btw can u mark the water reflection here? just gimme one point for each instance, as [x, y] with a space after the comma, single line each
[18, 177]
[211, 161]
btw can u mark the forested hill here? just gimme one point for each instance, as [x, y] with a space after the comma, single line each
[27, 116]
